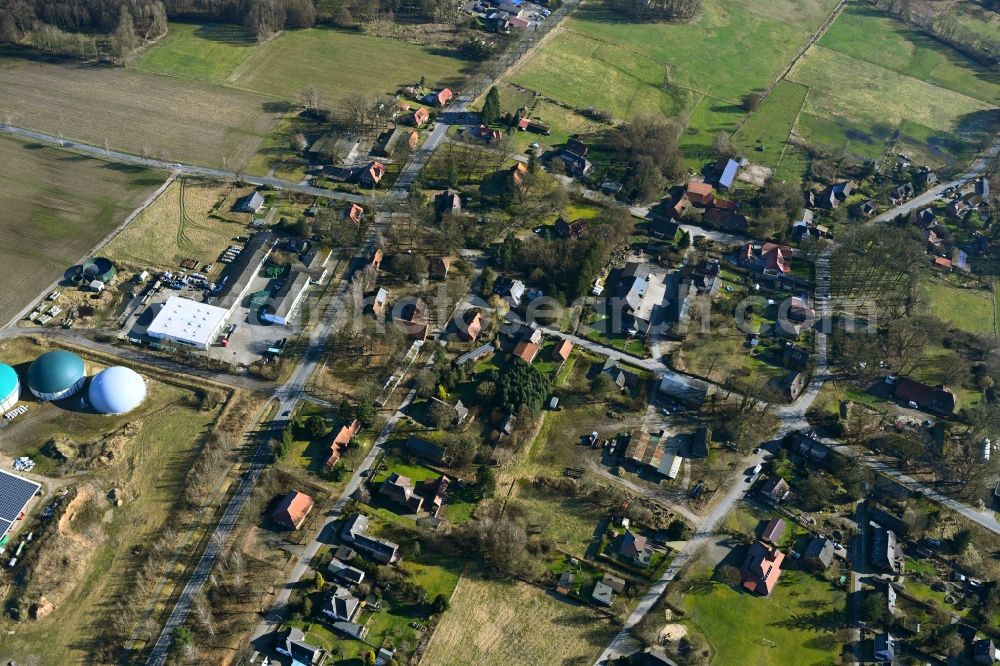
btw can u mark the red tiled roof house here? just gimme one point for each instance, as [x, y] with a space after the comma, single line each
[291, 512]
[761, 568]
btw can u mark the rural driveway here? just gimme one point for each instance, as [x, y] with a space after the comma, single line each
[185, 169]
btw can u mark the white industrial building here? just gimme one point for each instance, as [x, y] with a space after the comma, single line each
[188, 322]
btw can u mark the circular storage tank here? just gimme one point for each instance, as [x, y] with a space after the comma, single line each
[99, 268]
[56, 375]
[10, 388]
[116, 390]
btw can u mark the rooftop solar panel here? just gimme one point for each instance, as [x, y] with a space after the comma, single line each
[15, 493]
[4, 526]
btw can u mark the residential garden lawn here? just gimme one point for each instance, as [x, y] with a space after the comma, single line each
[565, 522]
[729, 31]
[792, 164]
[179, 120]
[497, 624]
[435, 578]
[769, 126]
[834, 392]
[416, 472]
[971, 310]
[182, 223]
[926, 594]
[341, 63]
[874, 37]
[587, 73]
[934, 146]
[933, 359]
[915, 566]
[562, 123]
[842, 86]
[799, 618]
[56, 207]
[597, 331]
[276, 151]
[198, 51]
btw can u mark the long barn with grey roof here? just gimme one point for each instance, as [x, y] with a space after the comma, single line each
[240, 274]
[288, 298]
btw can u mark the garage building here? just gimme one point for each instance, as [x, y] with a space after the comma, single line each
[188, 322]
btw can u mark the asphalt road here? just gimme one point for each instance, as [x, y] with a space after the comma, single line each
[922, 200]
[288, 396]
[184, 169]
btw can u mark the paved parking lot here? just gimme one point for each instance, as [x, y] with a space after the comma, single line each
[251, 339]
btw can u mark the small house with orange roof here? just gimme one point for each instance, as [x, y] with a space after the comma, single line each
[527, 351]
[472, 328]
[699, 193]
[761, 568]
[372, 174]
[420, 116]
[340, 442]
[517, 174]
[354, 213]
[292, 510]
[680, 207]
[562, 351]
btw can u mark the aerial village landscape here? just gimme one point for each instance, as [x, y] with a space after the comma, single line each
[500, 332]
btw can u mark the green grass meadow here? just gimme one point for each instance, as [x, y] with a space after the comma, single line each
[587, 73]
[869, 84]
[339, 64]
[201, 52]
[970, 310]
[795, 625]
[730, 49]
[769, 126]
[901, 49]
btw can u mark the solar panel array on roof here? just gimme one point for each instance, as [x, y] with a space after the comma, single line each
[15, 493]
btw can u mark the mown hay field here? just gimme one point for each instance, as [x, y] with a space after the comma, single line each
[177, 226]
[192, 121]
[491, 623]
[339, 64]
[900, 48]
[840, 85]
[586, 73]
[201, 52]
[730, 49]
[56, 207]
